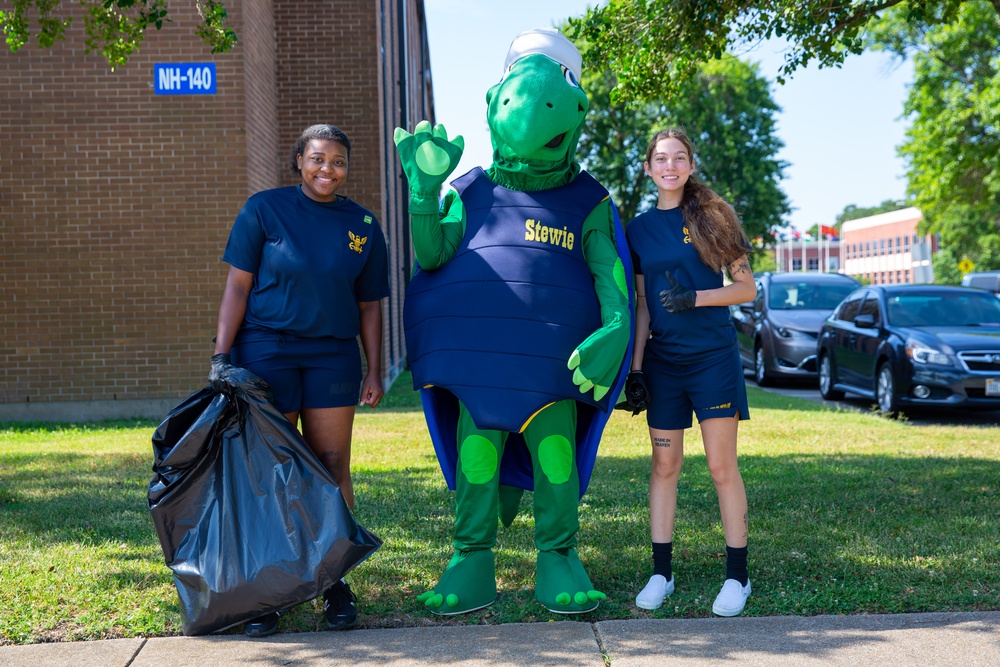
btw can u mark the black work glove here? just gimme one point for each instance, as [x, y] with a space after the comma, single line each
[677, 299]
[222, 366]
[636, 393]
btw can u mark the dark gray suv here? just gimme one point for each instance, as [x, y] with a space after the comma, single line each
[777, 331]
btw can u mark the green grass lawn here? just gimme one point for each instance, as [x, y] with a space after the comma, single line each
[850, 513]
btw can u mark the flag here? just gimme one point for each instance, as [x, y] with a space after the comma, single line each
[828, 232]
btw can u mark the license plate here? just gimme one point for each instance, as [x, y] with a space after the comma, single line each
[993, 387]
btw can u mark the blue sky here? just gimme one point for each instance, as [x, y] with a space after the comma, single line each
[840, 127]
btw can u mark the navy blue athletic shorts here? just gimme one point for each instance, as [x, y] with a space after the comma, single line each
[711, 387]
[302, 372]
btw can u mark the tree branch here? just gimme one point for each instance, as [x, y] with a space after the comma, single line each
[869, 12]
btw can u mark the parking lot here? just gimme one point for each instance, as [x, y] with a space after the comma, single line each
[810, 391]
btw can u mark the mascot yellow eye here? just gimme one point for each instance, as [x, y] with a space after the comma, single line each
[570, 77]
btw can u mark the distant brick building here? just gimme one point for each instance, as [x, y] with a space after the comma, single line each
[799, 255]
[886, 248]
[116, 202]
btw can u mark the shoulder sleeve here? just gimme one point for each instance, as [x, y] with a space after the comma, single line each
[372, 283]
[246, 239]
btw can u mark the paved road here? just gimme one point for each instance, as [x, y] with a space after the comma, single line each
[810, 392]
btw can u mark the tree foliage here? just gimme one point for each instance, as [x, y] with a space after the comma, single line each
[728, 112]
[114, 28]
[952, 147]
[654, 46]
[853, 211]
[763, 261]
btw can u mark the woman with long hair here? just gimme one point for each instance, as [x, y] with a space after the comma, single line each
[686, 357]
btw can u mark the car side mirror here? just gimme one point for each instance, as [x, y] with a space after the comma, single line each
[865, 321]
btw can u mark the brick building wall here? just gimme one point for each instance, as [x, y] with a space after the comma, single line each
[264, 156]
[407, 97]
[116, 203]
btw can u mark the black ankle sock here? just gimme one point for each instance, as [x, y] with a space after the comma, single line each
[663, 553]
[736, 564]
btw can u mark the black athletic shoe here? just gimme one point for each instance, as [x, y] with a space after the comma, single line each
[263, 626]
[339, 603]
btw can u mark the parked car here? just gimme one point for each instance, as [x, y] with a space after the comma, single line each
[987, 280]
[909, 346]
[777, 331]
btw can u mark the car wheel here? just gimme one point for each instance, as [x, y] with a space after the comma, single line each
[826, 380]
[885, 390]
[760, 374]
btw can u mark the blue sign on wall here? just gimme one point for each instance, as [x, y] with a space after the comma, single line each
[184, 78]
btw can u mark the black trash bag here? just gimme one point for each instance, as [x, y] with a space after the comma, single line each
[249, 520]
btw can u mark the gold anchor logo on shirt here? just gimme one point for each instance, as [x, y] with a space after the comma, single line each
[357, 243]
[687, 235]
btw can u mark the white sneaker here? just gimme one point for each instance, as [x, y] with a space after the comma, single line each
[731, 599]
[655, 592]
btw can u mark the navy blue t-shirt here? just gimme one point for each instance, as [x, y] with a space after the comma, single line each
[659, 241]
[312, 262]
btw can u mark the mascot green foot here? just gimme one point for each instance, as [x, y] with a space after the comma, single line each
[562, 585]
[468, 583]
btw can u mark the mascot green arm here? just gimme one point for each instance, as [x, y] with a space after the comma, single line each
[596, 361]
[428, 157]
[436, 236]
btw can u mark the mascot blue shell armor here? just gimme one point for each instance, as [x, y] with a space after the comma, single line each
[518, 322]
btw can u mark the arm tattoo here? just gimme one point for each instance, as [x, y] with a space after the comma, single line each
[661, 442]
[742, 266]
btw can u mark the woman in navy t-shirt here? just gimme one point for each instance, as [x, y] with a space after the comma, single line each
[308, 270]
[686, 358]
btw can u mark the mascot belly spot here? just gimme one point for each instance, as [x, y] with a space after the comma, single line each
[518, 323]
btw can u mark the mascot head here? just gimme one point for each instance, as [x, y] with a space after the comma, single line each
[536, 111]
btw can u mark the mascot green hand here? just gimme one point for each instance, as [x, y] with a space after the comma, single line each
[597, 360]
[513, 264]
[428, 158]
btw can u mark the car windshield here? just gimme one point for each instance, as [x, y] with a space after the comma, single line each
[807, 296]
[944, 310]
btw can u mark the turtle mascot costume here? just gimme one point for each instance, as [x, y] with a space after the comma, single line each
[518, 322]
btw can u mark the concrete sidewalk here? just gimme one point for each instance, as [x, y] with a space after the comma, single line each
[934, 640]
